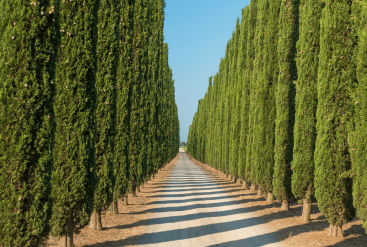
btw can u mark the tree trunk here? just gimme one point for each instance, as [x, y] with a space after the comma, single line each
[306, 210]
[114, 206]
[252, 189]
[336, 231]
[244, 185]
[285, 205]
[259, 192]
[137, 189]
[125, 200]
[95, 221]
[67, 239]
[270, 197]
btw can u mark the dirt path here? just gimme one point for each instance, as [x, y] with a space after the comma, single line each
[193, 210]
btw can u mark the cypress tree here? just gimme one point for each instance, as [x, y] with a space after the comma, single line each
[144, 28]
[284, 123]
[210, 126]
[108, 54]
[121, 164]
[227, 107]
[244, 103]
[259, 95]
[159, 81]
[28, 50]
[236, 98]
[74, 175]
[135, 155]
[267, 104]
[335, 77]
[250, 65]
[308, 47]
[164, 103]
[213, 123]
[155, 42]
[358, 137]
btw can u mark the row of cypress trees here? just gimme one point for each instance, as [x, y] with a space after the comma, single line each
[287, 109]
[87, 112]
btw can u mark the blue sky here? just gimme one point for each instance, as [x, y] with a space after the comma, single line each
[197, 32]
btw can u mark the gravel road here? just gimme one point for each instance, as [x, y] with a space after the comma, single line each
[193, 211]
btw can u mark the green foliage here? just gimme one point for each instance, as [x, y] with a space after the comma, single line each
[74, 176]
[108, 55]
[268, 88]
[358, 138]
[155, 53]
[244, 102]
[288, 35]
[335, 77]
[121, 162]
[251, 79]
[235, 122]
[306, 99]
[28, 51]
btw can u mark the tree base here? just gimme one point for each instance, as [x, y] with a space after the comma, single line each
[259, 192]
[125, 200]
[252, 188]
[336, 231]
[95, 221]
[306, 210]
[114, 207]
[270, 198]
[285, 206]
[67, 240]
[244, 185]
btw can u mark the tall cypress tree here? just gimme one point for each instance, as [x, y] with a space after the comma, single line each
[250, 65]
[28, 49]
[74, 175]
[108, 54]
[154, 56]
[227, 114]
[243, 81]
[121, 164]
[335, 77]
[259, 95]
[358, 138]
[142, 80]
[236, 99]
[288, 36]
[135, 115]
[268, 88]
[308, 47]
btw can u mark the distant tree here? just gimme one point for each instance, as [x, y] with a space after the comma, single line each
[29, 37]
[306, 102]
[335, 77]
[108, 55]
[74, 175]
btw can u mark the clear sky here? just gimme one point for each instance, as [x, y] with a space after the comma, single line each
[197, 32]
